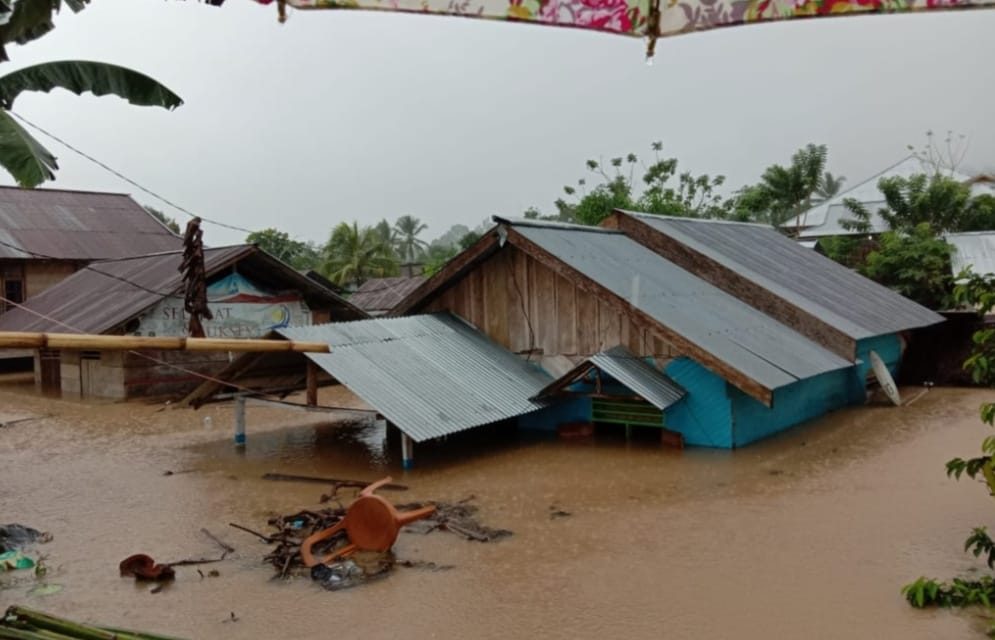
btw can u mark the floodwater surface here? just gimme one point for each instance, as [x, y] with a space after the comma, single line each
[807, 535]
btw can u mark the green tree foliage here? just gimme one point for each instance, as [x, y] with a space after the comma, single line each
[660, 189]
[945, 204]
[829, 187]
[409, 246]
[979, 293]
[170, 223]
[354, 254]
[786, 191]
[22, 155]
[915, 264]
[300, 255]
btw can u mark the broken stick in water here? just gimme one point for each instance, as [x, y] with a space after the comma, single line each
[358, 484]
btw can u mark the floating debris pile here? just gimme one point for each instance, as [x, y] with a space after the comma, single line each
[288, 533]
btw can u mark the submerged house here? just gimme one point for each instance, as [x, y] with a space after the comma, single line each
[631, 329]
[250, 293]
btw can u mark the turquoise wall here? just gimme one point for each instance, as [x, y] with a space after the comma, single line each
[793, 404]
[704, 415]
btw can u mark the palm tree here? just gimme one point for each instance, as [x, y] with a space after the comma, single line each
[354, 254]
[23, 156]
[409, 246]
[828, 188]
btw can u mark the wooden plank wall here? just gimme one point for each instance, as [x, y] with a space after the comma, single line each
[525, 306]
[40, 275]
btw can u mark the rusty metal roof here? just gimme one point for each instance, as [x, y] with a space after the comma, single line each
[106, 294]
[840, 297]
[431, 375]
[378, 296]
[77, 225]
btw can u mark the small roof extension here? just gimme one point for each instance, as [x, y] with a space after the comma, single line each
[431, 375]
[774, 273]
[77, 225]
[643, 379]
[105, 295]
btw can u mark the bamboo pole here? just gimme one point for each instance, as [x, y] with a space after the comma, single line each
[90, 342]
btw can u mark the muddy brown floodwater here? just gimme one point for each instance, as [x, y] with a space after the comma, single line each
[806, 535]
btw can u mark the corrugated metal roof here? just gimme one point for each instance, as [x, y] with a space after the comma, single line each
[78, 225]
[377, 296]
[635, 373]
[826, 218]
[104, 295]
[754, 344]
[975, 250]
[842, 298]
[431, 375]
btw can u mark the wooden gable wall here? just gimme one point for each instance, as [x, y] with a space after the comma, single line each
[509, 291]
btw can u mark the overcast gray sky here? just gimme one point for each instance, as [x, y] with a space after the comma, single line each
[340, 115]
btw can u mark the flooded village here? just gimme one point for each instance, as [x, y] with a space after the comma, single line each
[664, 407]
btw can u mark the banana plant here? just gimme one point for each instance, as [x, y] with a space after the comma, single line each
[26, 159]
[22, 21]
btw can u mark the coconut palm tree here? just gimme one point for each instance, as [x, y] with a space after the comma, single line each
[22, 155]
[829, 187]
[354, 254]
[409, 246]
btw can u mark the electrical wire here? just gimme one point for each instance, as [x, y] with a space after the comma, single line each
[124, 177]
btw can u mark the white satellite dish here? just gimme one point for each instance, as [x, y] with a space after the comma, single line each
[884, 378]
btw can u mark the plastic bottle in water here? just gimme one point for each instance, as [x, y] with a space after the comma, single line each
[208, 422]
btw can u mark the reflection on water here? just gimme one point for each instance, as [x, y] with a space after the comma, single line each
[809, 534]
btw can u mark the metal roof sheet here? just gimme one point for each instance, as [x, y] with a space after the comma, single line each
[103, 295]
[751, 342]
[635, 373]
[975, 250]
[431, 375]
[379, 295]
[78, 225]
[842, 298]
[826, 218]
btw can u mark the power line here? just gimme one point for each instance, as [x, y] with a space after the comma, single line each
[124, 177]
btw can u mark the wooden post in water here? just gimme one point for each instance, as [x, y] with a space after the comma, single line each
[240, 421]
[407, 451]
[312, 384]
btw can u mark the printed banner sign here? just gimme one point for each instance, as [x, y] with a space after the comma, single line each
[240, 308]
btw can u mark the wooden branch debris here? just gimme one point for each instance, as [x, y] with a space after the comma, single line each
[91, 342]
[337, 482]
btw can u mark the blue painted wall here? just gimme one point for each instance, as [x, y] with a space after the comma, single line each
[704, 416]
[889, 347]
[793, 404]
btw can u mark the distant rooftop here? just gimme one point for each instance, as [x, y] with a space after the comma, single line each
[77, 225]
[377, 296]
[826, 218]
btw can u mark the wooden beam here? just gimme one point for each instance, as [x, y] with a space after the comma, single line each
[312, 384]
[488, 244]
[90, 342]
[735, 284]
[643, 320]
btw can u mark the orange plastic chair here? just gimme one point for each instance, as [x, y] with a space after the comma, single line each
[371, 524]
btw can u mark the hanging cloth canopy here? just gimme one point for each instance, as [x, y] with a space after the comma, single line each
[640, 18]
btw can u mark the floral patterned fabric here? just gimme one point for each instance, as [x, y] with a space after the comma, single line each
[636, 17]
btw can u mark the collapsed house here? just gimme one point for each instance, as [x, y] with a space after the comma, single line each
[722, 332]
[249, 294]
